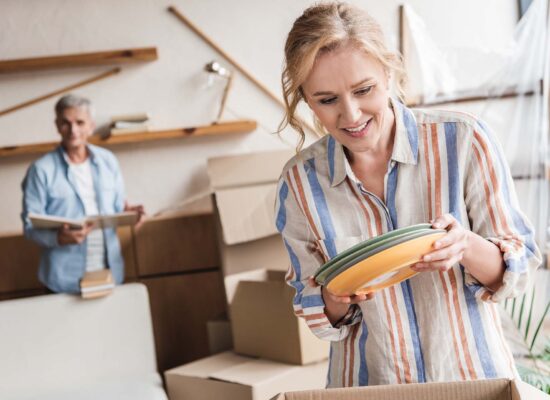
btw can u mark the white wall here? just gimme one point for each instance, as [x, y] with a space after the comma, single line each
[172, 89]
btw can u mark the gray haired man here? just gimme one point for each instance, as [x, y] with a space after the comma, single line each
[74, 180]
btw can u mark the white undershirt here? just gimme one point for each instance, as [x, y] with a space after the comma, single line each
[95, 254]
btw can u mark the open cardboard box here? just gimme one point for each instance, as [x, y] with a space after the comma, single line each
[232, 377]
[244, 189]
[492, 389]
[263, 322]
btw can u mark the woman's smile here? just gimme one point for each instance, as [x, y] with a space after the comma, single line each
[359, 130]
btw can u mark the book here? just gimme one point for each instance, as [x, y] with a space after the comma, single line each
[41, 221]
[129, 128]
[137, 117]
[96, 283]
[131, 123]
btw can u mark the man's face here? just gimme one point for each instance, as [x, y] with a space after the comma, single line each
[74, 125]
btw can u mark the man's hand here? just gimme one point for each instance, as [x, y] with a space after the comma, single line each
[66, 235]
[140, 211]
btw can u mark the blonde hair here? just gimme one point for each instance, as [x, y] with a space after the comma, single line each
[325, 27]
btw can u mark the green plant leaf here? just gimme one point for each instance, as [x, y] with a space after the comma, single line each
[527, 326]
[521, 310]
[541, 321]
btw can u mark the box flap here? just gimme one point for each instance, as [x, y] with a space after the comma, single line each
[524, 391]
[493, 389]
[247, 213]
[247, 169]
[207, 366]
[231, 281]
[269, 253]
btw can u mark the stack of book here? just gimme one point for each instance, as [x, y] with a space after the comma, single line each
[130, 123]
[97, 284]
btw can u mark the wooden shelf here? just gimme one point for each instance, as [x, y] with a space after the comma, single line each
[79, 60]
[241, 126]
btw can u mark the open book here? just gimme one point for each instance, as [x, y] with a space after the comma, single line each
[41, 221]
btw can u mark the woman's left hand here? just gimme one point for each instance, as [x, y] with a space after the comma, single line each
[449, 249]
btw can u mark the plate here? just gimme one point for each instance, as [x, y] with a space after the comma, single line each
[371, 242]
[383, 269]
[351, 261]
[362, 253]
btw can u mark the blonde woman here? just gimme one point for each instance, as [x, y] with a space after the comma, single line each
[381, 166]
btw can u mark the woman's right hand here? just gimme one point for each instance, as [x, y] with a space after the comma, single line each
[337, 306]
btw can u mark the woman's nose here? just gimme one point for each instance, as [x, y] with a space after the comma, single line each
[350, 112]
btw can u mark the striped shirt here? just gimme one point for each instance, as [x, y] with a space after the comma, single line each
[436, 326]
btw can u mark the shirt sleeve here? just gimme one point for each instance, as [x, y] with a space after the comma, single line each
[305, 259]
[34, 201]
[494, 213]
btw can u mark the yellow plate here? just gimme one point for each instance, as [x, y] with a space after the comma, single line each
[384, 269]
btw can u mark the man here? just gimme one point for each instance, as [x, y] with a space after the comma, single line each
[74, 180]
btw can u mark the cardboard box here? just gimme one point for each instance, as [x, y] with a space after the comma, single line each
[231, 377]
[244, 196]
[263, 322]
[493, 389]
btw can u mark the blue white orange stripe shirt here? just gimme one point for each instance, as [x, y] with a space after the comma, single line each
[436, 326]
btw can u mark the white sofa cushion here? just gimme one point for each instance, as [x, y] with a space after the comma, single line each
[62, 344]
[140, 388]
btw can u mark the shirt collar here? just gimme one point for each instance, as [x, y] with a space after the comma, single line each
[405, 145]
[63, 155]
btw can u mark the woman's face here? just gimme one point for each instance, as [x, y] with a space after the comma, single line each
[348, 90]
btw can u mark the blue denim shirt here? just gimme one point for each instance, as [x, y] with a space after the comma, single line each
[50, 188]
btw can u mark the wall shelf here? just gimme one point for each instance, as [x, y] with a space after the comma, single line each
[108, 57]
[240, 126]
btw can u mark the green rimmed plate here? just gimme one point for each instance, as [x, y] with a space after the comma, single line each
[350, 262]
[361, 247]
[383, 269]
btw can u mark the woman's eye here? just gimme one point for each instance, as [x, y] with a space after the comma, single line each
[364, 91]
[328, 100]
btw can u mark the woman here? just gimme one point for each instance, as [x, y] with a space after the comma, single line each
[382, 166]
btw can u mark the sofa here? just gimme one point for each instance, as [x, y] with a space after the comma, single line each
[60, 347]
